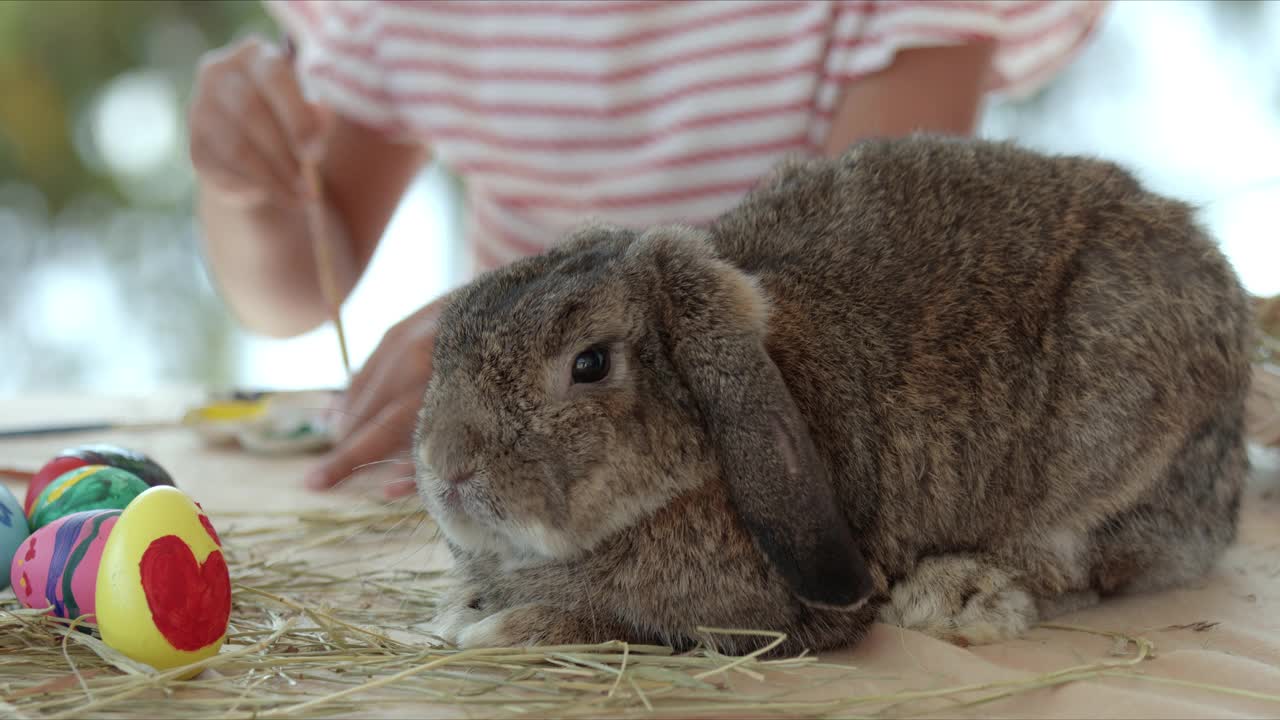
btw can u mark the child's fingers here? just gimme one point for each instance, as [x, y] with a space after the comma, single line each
[272, 72]
[388, 433]
[356, 398]
[256, 131]
[233, 133]
[399, 368]
[227, 178]
[370, 387]
[223, 159]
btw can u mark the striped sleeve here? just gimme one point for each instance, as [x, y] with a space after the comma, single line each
[337, 58]
[1034, 38]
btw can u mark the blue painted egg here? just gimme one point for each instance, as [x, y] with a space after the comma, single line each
[13, 531]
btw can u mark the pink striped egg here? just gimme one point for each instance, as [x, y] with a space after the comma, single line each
[57, 567]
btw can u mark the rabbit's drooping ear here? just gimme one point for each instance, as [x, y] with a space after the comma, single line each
[715, 319]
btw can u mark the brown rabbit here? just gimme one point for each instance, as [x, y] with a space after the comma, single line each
[955, 385]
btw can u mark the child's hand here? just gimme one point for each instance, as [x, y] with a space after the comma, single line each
[376, 419]
[250, 124]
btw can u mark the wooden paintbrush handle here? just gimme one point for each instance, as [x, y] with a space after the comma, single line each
[11, 473]
[320, 247]
[324, 256]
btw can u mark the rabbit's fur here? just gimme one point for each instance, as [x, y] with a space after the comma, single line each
[953, 385]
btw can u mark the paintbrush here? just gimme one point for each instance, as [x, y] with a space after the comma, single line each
[74, 428]
[323, 257]
[313, 185]
[14, 473]
[232, 405]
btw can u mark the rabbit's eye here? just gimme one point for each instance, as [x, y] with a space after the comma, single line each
[591, 365]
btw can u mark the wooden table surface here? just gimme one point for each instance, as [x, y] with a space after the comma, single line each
[1242, 596]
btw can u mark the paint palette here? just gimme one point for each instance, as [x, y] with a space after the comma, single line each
[259, 422]
[267, 423]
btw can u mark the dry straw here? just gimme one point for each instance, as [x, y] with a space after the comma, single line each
[311, 638]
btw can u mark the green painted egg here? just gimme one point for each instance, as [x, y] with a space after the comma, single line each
[94, 454]
[92, 487]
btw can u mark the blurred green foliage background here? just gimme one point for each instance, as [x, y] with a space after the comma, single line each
[96, 231]
[57, 58]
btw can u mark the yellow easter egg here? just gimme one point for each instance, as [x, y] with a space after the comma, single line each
[163, 591]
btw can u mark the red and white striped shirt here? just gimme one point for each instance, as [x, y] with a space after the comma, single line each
[634, 111]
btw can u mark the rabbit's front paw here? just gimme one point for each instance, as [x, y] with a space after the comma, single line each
[493, 631]
[529, 625]
[458, 612]
[962, 600]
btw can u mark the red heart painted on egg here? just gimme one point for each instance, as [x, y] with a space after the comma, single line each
[208, 527]
[190, 603]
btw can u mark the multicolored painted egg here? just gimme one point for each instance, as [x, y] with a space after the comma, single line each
[92, 487]
[57, 567]
[148, 470]
[164, 592]
[13, 531]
